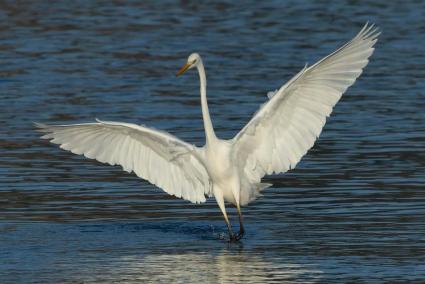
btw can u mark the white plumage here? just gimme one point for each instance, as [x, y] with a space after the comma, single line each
[286, 127]
[154, 155]
[274, 141]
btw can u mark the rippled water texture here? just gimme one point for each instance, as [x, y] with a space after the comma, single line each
[352, 211]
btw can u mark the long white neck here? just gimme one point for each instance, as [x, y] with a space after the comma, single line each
[209, 130]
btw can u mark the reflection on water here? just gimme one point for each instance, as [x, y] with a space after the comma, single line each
[353, 210]
[115, 260]
[162, 252]
[223, 267]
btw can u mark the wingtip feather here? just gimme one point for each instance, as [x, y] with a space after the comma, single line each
[41, 127]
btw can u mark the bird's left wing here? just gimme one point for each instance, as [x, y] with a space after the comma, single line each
[156, 156]
[288, 124]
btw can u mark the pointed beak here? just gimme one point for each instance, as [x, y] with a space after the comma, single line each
[183, 69]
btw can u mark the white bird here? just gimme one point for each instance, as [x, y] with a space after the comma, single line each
[272, 142]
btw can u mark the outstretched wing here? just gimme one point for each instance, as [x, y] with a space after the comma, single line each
[156, 156]
[285, 128]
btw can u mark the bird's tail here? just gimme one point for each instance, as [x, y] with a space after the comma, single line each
[253, 192]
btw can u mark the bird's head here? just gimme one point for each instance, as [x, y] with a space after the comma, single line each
[192, 61]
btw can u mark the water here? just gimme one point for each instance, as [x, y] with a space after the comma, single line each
[352, 211]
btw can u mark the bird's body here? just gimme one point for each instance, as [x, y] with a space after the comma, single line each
[222, 171]
[274, 141]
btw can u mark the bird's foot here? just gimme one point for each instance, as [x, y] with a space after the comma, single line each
[241, 234]
[236, 237]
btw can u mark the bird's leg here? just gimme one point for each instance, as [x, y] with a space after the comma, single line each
[220, 201]
[232, 236]
[241, 227]
[226, 219]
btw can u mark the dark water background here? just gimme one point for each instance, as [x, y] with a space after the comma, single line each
[352, 211]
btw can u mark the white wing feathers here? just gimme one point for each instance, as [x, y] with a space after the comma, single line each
[288, 124]
[156, 156]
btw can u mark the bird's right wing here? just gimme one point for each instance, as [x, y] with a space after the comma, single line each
[288, 124]
[156, 156]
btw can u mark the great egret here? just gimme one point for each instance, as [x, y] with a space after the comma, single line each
[272, 142]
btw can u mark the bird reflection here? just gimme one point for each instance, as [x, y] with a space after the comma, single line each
[197, 267]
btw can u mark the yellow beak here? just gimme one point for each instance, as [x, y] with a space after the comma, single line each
[183, 69]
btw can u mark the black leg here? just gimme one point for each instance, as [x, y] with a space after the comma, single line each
[241, 227]
[229, 228]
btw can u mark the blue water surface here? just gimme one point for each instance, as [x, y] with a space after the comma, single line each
[352, 211]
